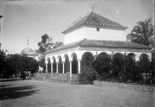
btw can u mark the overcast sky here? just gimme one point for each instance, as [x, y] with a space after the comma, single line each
[33, 18]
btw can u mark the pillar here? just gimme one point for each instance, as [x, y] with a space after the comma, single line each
[51, 68]
[112, 54]
[63, 67]
[57, 67]
[79, 66]
[46, 67]
[70, 73]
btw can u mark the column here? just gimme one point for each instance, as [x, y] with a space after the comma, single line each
[79, 66]
[57, 67]
[63, 67]
[112, 54]
[46, 67]
[70, 73]
[51, 68]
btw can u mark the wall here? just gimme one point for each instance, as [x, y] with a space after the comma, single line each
[74, 36]
[105, 34]
[93, 34]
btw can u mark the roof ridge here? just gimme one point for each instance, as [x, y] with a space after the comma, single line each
[88, 16]
[82, 41]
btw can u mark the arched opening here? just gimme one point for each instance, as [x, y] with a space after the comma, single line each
[49, 65]
[74, 64]
[54, 65]
[87, 59]
[145, 68]
[103, 55]
[66, 64]
[132, 56]
[60, 64]
[102, 65]
[118, 66]
[130, 67]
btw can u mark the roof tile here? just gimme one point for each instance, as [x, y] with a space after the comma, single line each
[94, 19]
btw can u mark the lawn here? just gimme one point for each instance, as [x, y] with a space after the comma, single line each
[32, 93]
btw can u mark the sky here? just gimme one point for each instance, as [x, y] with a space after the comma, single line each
[30, 19]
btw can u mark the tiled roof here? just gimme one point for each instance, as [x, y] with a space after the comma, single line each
[95, 20]
[100, 44]
[112, 44]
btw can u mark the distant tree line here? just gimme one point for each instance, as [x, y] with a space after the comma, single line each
[15, 65]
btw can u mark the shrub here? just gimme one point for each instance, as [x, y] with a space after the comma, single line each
[102, 65]
[117, 66]
[87, 76]
[144, 65]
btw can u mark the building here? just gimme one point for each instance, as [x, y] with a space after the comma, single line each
[92, 35]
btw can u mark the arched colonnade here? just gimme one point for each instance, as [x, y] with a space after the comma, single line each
[72, 61]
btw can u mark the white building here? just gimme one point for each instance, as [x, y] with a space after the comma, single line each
[93, 35]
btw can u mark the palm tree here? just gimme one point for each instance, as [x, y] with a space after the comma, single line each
[142, 33]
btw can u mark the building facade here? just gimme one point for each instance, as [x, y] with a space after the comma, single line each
[92, 35]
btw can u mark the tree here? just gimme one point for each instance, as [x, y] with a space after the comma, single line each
[46, 44]
[2, 62]
[142, 33]
[57, 44]
[17, 64]
[102, 65]
[145, 65]
[88, 75]
[131, 73]
[117, 66]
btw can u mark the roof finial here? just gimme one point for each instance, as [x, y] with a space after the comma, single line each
[27, 41]
[92, 7]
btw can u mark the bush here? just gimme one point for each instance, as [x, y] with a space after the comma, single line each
[87, 76]
[102, 65]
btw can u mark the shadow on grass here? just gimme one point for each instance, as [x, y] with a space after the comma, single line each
[3, 86]
[10, 79]
[16, 92]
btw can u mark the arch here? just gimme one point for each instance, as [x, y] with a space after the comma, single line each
[118, 65]
[59, 64]
[131, 55]
[87, 59]
[66, 63]
[144, 56]
[49, 65]
[54, 64]
[74, 63]
[104, 54]
[118, 56]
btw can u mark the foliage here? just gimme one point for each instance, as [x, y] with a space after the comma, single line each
[142, 33]
[17, 64]
[41, 62]
[131, 73]
[102, 65]
[2, 62]
[57, 44]
[87, 59]
[144, 64]
[46, 44]
[88, 75]
[117, 66]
